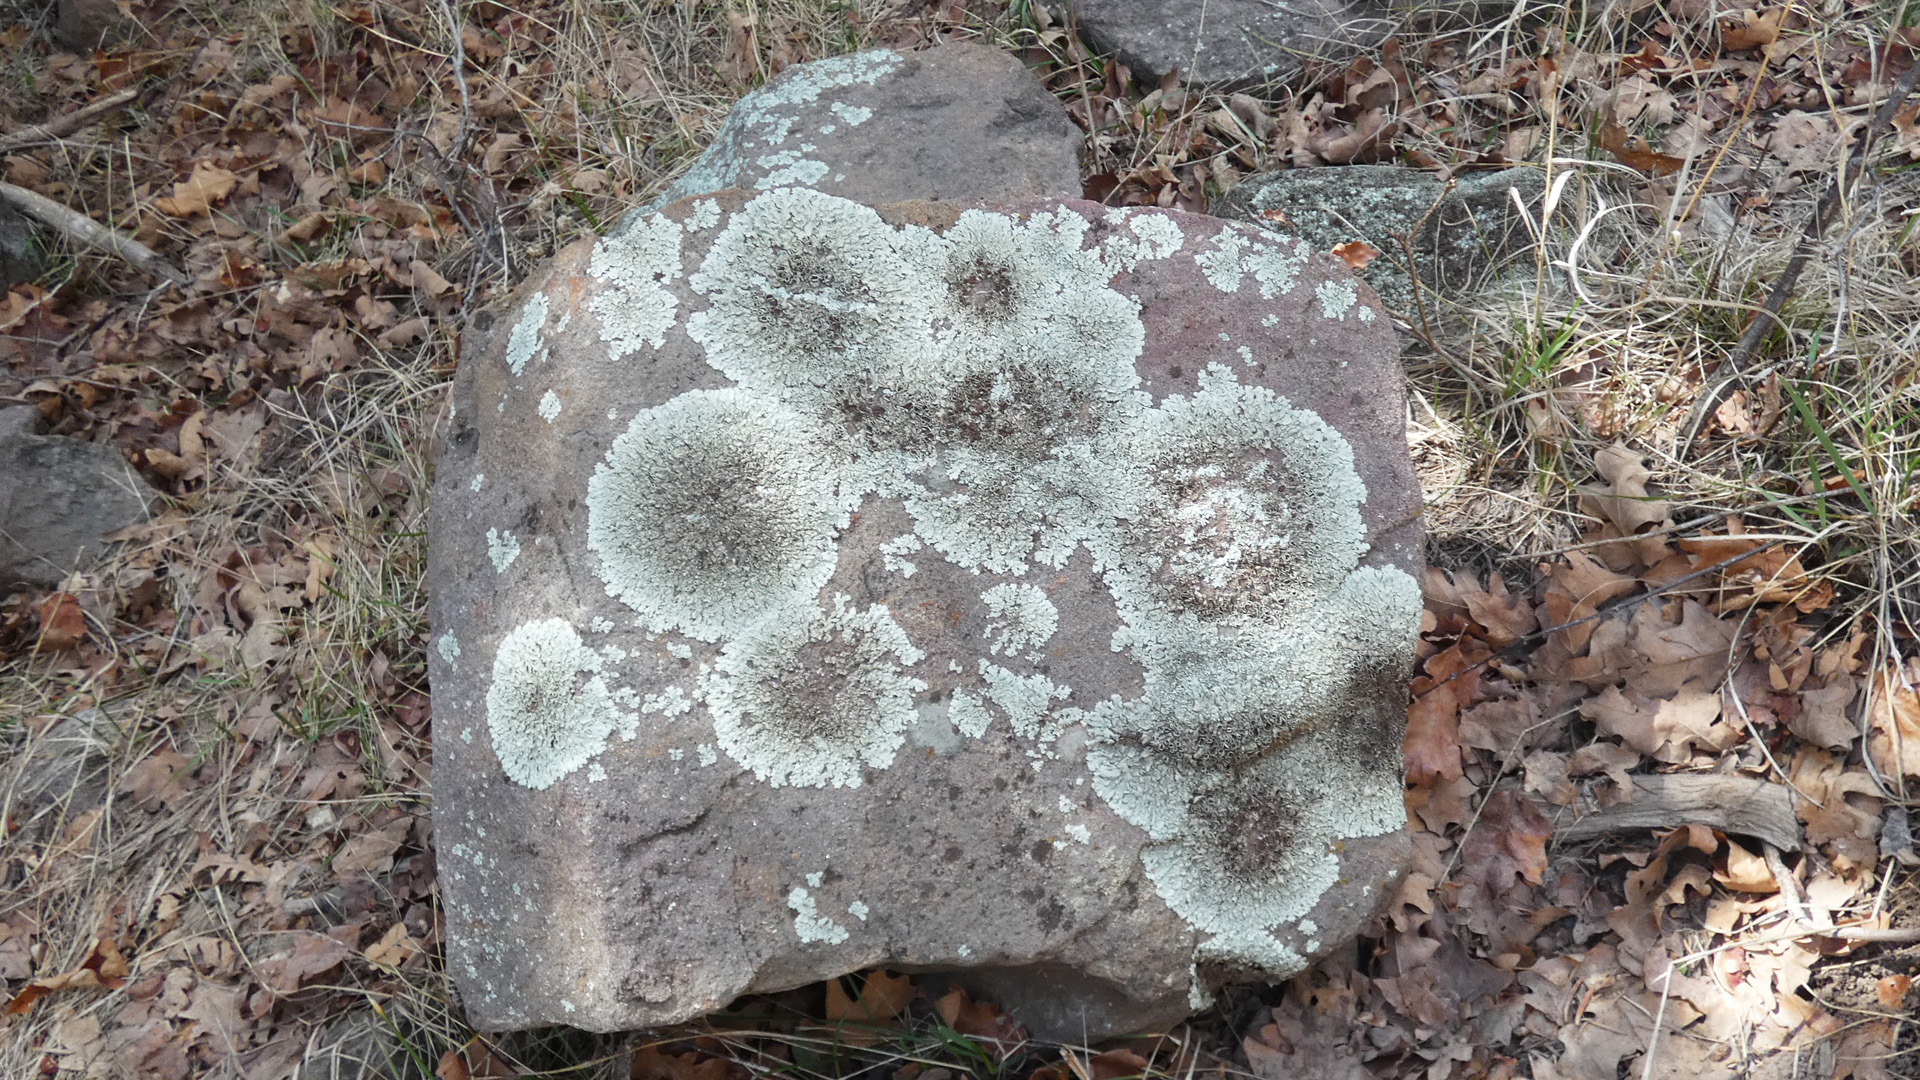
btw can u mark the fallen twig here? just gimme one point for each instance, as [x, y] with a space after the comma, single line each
[67, 123]
[79, 227]
[1731, 804]
[1732, 369]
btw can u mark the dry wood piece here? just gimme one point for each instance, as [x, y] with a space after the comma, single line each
[68, 123]
[1731, 804]
[79, 227]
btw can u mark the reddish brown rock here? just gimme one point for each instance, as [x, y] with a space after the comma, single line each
[1025, 592]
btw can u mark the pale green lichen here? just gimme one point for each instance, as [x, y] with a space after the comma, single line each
[549, 406]
[810, 698]
[765, 123]
[712, 510]
[633, 303]
[968, 715]
[502, 548]
[808, 924]
[548, 709]
[524, 342]
[1019, 618]
[1274, 265]
[806, 291]
[448, 646]
[1337, 298]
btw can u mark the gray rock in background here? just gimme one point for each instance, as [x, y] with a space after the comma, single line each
[58, 497]
[960, 121]
[1474, 228]
[84, 25]
[21, 258]
[1026, 593]
[1227, 43]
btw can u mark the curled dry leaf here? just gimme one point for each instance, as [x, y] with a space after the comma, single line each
[62, 622]
[1894, 719]
[1751, 29]
[980, 1020]
[1356, 253]
[104, 968]
[197, 194]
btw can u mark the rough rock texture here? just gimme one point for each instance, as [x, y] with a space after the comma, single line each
[20, 258]
[1025, 592]
[88, 24]
[1227, 42]
[1474, 227]
[956, 122]
[58, 497]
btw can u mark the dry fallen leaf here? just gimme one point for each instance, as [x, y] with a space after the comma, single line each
[1894, 722]
[1509, 841]
[1356, 253]
[1751, 29]
[62, 623]
[1668, 730]
[207, 185]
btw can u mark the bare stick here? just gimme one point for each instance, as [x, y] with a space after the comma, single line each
[67, 123]
[82, 229]
[1823, 219]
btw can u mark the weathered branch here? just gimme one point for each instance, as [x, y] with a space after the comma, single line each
[67, 123]
[1731, 804]
[84, 230]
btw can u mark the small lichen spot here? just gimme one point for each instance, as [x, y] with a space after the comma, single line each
[502, 548]
[524, 341]
[809, 924]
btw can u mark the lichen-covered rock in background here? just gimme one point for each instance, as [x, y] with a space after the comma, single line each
[1457, 233]
[956, 122]
[58, 498]
[1023, 591]
[1221, 43]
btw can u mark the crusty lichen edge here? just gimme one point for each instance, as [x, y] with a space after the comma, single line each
[799, 283]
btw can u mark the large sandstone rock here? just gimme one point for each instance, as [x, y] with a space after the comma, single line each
[1223, 43]
[1457, 232]
[1023, 592]
[960, 121]
[58, 498]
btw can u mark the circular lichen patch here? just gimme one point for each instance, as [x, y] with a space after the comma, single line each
[1249, 505]
[809, 291]
[713, 509]
[548, 711]
[808, 699]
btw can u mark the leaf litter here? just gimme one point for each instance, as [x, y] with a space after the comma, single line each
[217, 847]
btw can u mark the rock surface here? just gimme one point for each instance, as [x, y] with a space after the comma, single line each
[1241, 43]
[20, 258]
[1456, 235]
[58, 497]
[1026, 592]
[956, 122]
[84, 25]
